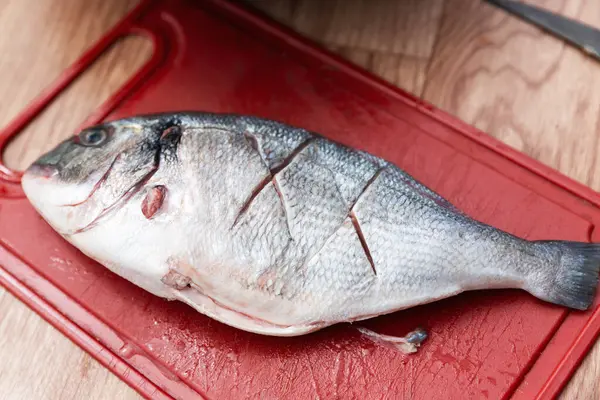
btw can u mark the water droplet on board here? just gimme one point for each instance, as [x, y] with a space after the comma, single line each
[126, 351]
[233, 356]
[58, 263]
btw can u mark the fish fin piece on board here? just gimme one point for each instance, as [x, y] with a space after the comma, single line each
[406, 344]
[574, 282]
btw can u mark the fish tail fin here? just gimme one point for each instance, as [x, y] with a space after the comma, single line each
[574, 279]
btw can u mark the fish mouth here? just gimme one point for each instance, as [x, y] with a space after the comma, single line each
[41, 171]
[47, 166]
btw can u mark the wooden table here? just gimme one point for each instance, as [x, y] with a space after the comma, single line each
[493, 71]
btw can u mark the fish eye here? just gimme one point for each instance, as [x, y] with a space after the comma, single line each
[93, 137]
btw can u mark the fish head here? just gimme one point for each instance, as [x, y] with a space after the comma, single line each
[86, 176]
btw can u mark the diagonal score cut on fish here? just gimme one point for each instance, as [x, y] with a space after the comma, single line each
[279, 231]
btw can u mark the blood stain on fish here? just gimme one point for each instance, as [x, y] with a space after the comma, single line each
[171, 130]
[153, 201]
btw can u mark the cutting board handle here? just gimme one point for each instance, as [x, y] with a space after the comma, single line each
[10, 179]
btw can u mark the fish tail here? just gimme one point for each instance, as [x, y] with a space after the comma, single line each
[574, 279]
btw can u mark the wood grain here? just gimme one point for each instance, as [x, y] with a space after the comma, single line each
[85, 95]
[393, 39]
[38, 362]
[504, 76]
[521, 85]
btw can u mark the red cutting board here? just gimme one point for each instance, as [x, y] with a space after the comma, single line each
[213, 56]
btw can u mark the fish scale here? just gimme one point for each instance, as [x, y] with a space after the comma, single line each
[315, 209]
[322, 155]
[346, 290]
[252, 233]
[350, 169]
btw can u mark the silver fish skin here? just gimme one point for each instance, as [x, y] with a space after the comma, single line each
[279, 231]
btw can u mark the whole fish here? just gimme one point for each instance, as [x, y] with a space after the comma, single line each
[277, 230]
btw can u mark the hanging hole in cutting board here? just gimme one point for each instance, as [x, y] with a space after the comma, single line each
[69, 110]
